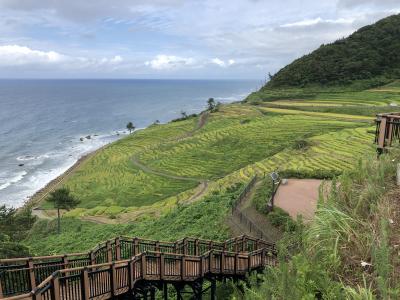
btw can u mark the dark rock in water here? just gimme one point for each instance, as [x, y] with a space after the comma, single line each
[117, 133]
[81, 139]
[88, 137]
[96, 135]
[21, 165]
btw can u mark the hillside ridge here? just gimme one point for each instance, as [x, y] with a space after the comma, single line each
[370, 54]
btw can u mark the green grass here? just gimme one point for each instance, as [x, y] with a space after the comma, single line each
[352, 225]
[110, 178]
[203, 219]
[216, 153]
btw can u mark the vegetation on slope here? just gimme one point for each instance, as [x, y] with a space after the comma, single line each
[350, 250]
[371, 54]
[203, 219]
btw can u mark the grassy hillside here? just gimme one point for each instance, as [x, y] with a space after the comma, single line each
[350, 250]
[371, 55]
[151, 172]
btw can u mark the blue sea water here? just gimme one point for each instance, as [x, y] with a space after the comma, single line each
[42, 121]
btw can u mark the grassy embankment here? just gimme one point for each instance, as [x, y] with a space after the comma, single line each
[350, 250]
[237, 142]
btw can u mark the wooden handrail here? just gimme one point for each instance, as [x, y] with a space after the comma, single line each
[192, 266]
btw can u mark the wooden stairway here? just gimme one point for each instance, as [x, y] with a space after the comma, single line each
[133, 267]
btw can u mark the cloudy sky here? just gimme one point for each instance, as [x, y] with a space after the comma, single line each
[171, 38]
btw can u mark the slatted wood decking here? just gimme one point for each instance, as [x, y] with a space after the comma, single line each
[387, 130]
[133, 268]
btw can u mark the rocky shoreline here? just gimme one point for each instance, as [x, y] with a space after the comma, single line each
[41, 194]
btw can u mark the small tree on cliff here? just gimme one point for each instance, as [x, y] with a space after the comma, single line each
[130, 127]
[62, 199]
[211, 104]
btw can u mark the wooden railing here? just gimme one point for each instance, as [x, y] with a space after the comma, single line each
[115, 266]
[244, 193]
[387, 130]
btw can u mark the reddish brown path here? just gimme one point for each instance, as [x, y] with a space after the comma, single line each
[299, 197]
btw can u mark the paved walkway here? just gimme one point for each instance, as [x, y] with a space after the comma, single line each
[299, 197]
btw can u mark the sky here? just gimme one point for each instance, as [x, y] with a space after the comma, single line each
[168, 39]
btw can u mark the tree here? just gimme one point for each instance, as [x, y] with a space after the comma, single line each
[62, 199]
[14, 227]
[130, 127]
[184, 115]
[211, 104]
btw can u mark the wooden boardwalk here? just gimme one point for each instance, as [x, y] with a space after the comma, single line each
[135, 268]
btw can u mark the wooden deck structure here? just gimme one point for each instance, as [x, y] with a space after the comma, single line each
[387, 130]
[134, 268]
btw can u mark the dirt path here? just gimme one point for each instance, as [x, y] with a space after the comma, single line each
[40, 213]
[203, 183]
[269, 232]
[299, 197]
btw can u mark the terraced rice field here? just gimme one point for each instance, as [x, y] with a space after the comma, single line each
[216, 153]
[158, 167]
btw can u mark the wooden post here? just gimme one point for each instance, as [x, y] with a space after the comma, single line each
[165, 291]
[1, 290]
[131, 274]
[249, 263]
[202, 265]
[389, 132]
[222, 265]
[152, 294]
[85, 284]
[184, 246]
[135, 247]
[55, 288]
[37, 296]
[109, 251]
[263, 263]
[32, 273]
[143, 266]
[113, 280]
[235, 265]
[92, 258]
[213, 289]
[382, 133]
[196, 247]
[162, 266]
[65, 261]
[118, 248]
[183, 267]
[210, 257]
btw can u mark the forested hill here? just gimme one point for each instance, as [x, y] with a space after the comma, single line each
[371, 53]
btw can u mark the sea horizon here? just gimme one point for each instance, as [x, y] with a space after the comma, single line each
[46, 125]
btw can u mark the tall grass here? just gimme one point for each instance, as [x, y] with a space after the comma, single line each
[346, 252]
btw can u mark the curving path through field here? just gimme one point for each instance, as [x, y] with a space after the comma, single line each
[203, 183]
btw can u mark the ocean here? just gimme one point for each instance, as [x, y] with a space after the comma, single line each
[45, 124]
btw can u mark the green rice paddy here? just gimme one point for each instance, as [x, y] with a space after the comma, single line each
[167, 164]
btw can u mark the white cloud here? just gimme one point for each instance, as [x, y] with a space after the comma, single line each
[166, 62]
[316, 21]
[19, 55]
[222, 63]
[14, 56]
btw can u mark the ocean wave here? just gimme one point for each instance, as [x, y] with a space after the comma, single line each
[18, 177]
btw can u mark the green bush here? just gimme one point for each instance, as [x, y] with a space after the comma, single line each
[281, 219]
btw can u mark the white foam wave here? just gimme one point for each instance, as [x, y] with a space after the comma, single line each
[18, 177]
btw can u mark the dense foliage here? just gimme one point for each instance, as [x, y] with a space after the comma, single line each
[350, 250]
[203, 219]
[371, 54]
[14, 228]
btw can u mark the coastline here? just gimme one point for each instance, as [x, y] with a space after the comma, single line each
[41, 194]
